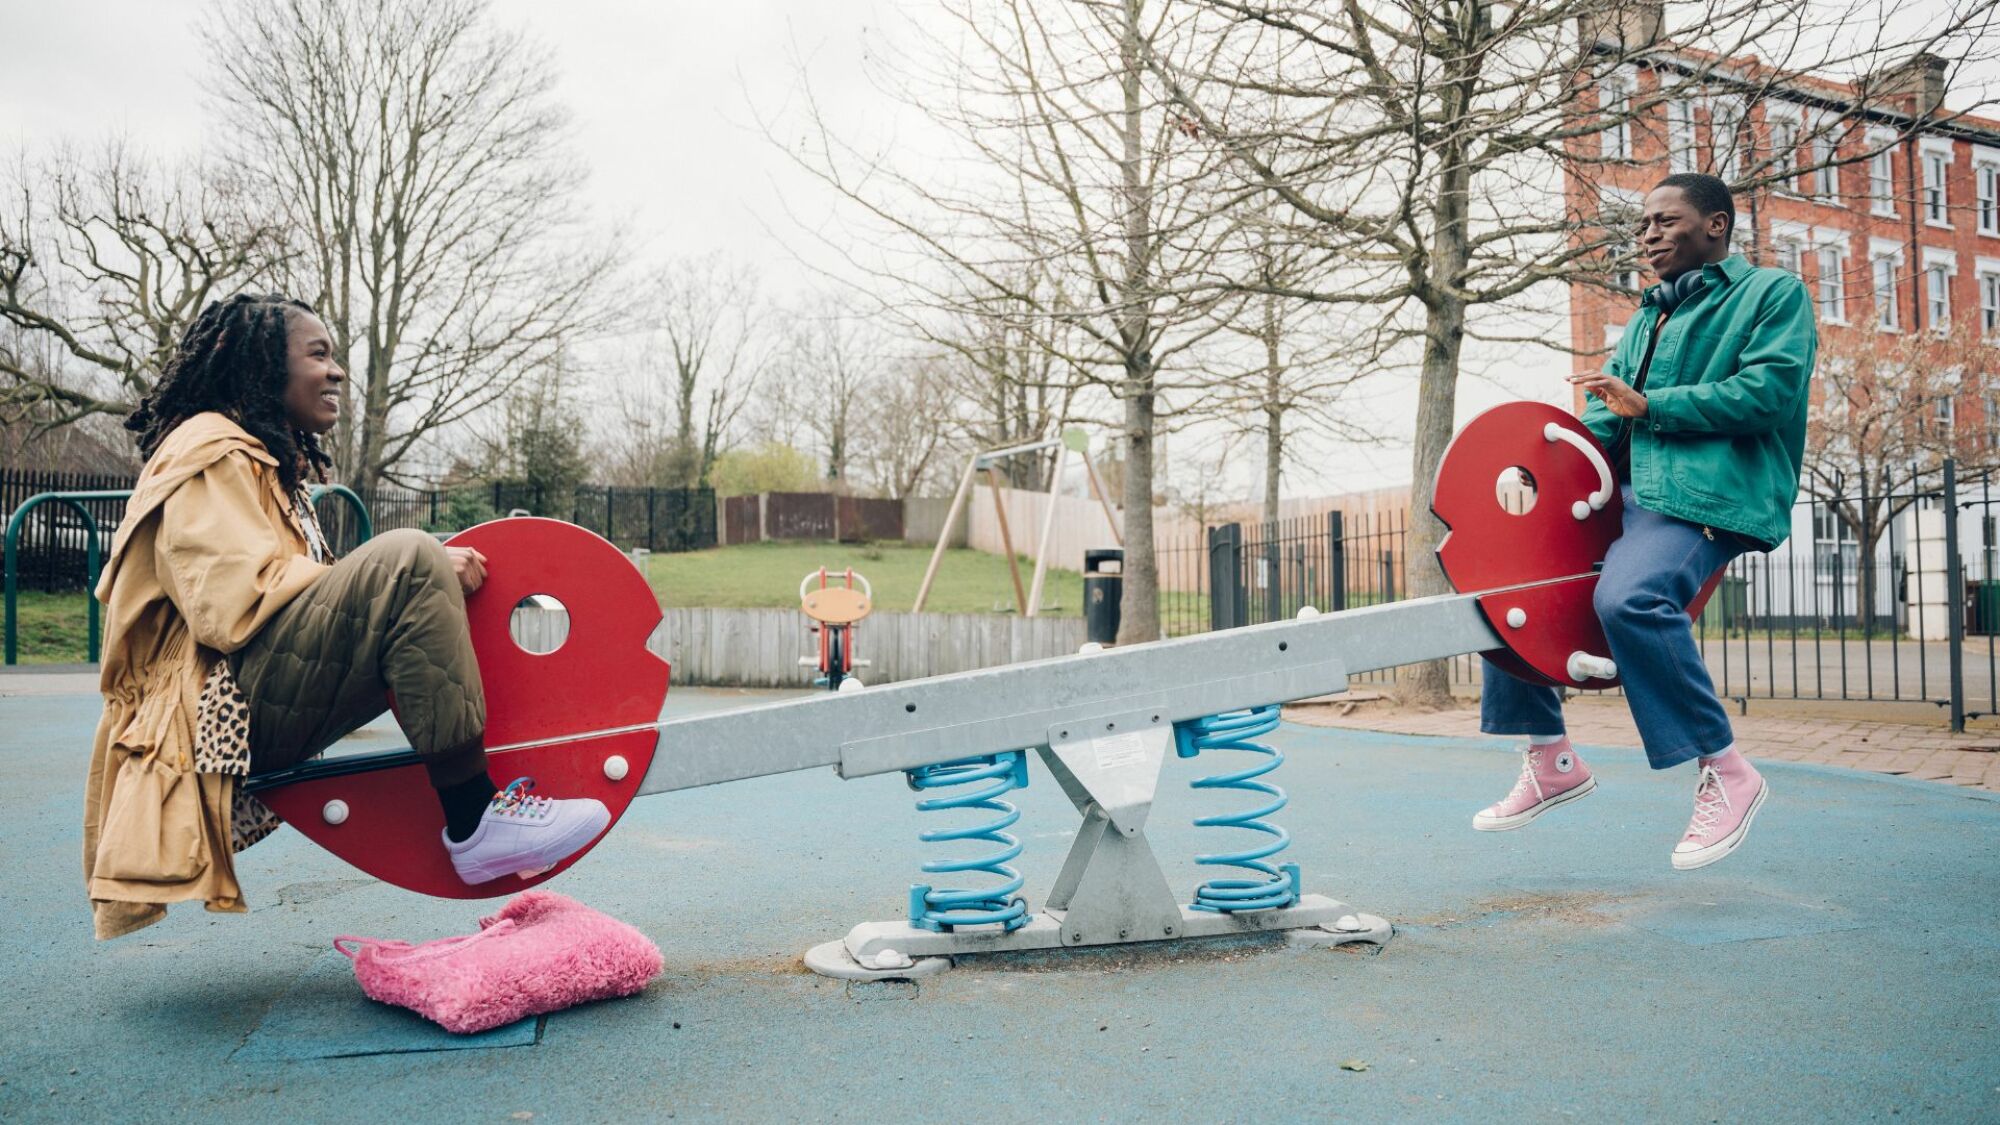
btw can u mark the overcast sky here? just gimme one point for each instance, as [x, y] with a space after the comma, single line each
[662, 92]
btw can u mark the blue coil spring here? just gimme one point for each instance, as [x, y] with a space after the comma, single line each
[938, 910]
[1279, 886]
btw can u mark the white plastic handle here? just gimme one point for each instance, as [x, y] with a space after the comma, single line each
[1596, 500]
[1584, 666]
[867, 591]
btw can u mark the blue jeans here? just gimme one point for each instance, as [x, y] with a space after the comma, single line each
[1650, 575]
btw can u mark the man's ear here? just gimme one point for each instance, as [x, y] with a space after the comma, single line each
[1718, 224]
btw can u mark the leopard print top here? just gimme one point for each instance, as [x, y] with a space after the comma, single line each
[222, 745]
[222, 720]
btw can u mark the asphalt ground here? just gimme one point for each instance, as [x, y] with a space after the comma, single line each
[1845, 965]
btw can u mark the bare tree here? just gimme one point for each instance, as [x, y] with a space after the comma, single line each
[1093, 231]
[829, 361]
[1884, 418]
[416, 155]
[1422, 142]
[705, 327]
[905, 424]
[104, 259]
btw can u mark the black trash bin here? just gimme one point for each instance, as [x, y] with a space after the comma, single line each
[1103, 587]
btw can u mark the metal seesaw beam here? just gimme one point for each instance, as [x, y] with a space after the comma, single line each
[901, 726]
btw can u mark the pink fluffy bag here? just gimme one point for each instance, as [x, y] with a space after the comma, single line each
[541, 953]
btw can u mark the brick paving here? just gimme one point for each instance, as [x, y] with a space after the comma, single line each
[1931, 753]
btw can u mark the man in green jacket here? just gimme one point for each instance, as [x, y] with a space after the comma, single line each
[1703, 408]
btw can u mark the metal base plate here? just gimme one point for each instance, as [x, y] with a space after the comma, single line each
[831, 959]
[874, 950]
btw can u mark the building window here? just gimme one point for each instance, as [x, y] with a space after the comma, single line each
[1989, 305]
[1987, 177]
[1943, 416]
[1825, 177]
[1618, 213]
[1882, 182]
[1614, 103]
[1725, 132]
[1834, 543]
[1680, 135]
[1992, 424]
[1935, 202]
[1784, 154]
[1832, 285]
[1938, 286]
[1885, 293]
[1790, 255]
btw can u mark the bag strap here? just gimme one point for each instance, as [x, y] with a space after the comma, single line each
[404, 951]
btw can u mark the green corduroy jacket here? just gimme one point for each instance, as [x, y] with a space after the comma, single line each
[1724, 431]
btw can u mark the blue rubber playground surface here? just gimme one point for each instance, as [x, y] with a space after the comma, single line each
[1844, 966]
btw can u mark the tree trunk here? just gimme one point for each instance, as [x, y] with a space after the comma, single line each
[1139, 609]
[1274, 413]
[1429, 684]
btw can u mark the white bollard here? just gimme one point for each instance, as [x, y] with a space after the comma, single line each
[1307, 611]
[852, 683]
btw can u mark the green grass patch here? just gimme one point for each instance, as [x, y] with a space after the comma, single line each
[53, 628]
[768, 574]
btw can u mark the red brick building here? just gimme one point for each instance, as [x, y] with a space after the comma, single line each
[1904, 238]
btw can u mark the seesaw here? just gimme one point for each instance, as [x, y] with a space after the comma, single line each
[583, 721]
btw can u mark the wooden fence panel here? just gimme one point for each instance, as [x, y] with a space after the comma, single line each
[761, 647]
[862, 519]
[742, 520]
[799, 515]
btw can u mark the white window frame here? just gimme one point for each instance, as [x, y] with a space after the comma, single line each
[1790, 238]
[1726, 115]
[1783, 127]
[1821, 144]
[1680, 135]
[1834, 245]
[1986, 274]
[1986, 189]
[1940, 266]
[1934, 198]
[1615, 92]
[1882, 172]
[1618, 211]
[1880, 251]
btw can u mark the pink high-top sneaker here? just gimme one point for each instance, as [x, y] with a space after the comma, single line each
[1550, 775]
[1727, 795]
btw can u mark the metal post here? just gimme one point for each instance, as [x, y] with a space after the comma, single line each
[1954, 587]
[1336, 565]
[10, 547]
[1274, 582]
[1225, 576]
[364, 526]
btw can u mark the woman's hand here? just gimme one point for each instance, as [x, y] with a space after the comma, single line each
[469, 565]
[1618, 396]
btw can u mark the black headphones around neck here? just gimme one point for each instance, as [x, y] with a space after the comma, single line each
[1670, 294]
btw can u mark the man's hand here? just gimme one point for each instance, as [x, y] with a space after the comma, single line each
[1617, 395]
[469, 565]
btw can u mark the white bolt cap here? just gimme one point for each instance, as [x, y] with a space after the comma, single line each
[335, 811]
[1517, 617]
[1308, 611]
[891, 959]
[852, 683]
[616, 767]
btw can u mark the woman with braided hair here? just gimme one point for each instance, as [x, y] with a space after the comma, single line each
[236, 644]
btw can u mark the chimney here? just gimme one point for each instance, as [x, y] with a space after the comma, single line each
[1919, 79]
[1622, 26]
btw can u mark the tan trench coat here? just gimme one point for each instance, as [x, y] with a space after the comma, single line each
[208, 551]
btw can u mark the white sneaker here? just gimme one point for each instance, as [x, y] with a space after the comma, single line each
[523, 835]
